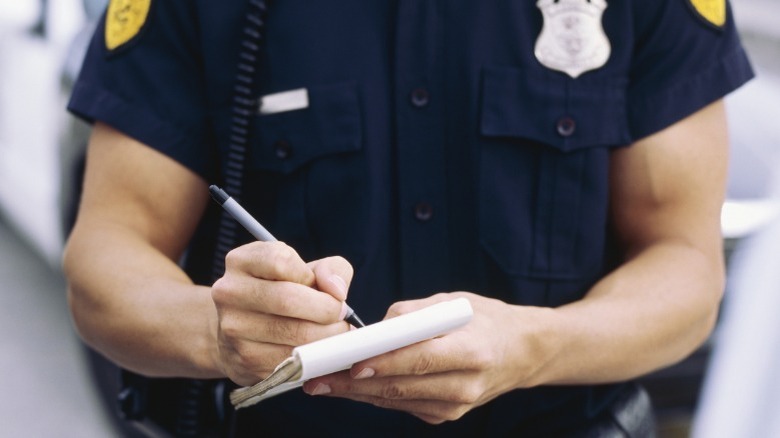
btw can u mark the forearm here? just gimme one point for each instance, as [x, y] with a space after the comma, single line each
[666, 193]
[136, 306]
[651, 312]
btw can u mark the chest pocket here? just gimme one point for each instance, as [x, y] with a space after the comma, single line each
[329, 125]
[308, 171]
[544, 179]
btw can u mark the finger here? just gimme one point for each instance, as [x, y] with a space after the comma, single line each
[428, 418]
[430, 411]
[276, 298]
[450, 352]
[445, 397]
[333, 275]
[269, 261]
[277, 329]
[427, 357]
[452, 387]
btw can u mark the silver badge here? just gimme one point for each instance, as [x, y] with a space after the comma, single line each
[572, 38]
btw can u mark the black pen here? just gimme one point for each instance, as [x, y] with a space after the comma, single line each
[256, 229]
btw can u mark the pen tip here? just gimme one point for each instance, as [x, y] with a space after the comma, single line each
[218, 194]
[353, 319]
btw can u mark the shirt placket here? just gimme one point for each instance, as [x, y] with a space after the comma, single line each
[423, 207]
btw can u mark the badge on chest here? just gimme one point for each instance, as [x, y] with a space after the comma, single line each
[572, 39]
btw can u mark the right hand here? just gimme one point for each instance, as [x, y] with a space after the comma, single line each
[270, 301]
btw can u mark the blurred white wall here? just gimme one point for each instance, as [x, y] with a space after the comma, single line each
[755, 156]
[741, 393]
[31, 113]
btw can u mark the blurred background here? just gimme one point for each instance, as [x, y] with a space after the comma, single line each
[52, 386]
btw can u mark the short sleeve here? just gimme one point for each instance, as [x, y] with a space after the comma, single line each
[681, 64]
[151, 87]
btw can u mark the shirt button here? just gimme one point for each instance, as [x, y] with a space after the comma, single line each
[420, 97]
[423, 211]
[283, 149]
[566, 126]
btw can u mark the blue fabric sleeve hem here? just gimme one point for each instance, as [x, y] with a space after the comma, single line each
[653, 113]
[177, 143]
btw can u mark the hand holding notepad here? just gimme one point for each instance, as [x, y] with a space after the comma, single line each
[340, 352]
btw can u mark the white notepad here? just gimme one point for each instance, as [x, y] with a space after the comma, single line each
[340, 352]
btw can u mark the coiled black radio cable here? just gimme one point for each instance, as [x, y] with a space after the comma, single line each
[196, 393]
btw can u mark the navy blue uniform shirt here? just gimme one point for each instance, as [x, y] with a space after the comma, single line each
[436, 152]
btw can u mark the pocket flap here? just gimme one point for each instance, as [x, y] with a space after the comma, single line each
[553, 109]
[329, 125]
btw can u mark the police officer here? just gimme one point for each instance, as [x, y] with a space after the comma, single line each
[561, 164]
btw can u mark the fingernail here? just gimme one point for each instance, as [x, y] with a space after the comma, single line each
[344, 310]
[321, 389]
[365, 373]
[340, 284]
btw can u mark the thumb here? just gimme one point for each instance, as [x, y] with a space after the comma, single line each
[332, 275]
[403, 307]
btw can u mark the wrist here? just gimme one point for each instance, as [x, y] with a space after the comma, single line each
[205, 357]
[538, 334]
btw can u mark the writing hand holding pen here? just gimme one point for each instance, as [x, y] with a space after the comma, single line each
[270, 301]
[261, 233]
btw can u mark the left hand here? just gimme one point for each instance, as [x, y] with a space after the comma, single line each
[441, 379]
